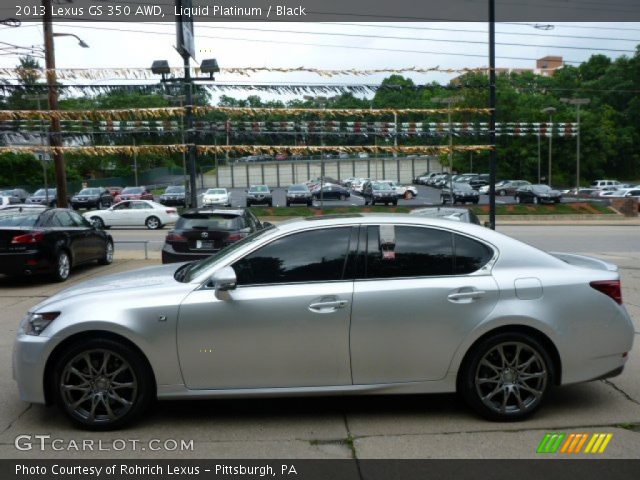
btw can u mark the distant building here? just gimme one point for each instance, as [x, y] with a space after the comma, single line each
[545, 66]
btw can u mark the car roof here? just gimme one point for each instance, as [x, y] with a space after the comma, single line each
[215, 211]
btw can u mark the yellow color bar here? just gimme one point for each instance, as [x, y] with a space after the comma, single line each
[606, 441]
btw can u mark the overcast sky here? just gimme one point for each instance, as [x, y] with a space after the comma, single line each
[315, 45]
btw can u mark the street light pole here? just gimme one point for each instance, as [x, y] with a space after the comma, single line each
[188, 85]
[550, 111]
[38, 98]
[492, 114]
[577, 102]
[180, 99]
[449, 101]
[539, 155]
[54, 133]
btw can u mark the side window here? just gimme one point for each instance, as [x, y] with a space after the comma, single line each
[313, 256]
[470, 255]
[63, 219]
[417, 252]
[79, 220]
[123, 206]
[141, 206]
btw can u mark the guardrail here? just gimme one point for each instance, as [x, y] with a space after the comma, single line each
[145, 242]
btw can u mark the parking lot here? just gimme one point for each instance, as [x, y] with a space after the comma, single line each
[435, 426]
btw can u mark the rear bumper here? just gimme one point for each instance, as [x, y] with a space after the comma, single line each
[259, 201]
[25, 263]
[173, 202]
[85, 204]
[169, 255]
[303, 200]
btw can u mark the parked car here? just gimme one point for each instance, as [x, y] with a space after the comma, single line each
[217, 196]
[402, 191]
[480, 181]
[93, 197]
[448, 213]
[537, 194]
[7, 198]
[357, 185]
[441, 180]
[347, 182]
[628, 193]
[259, 195]
[299, 193]
[600, 184]
[174, 195]
[41, 196]
[37, 241]
[331, 192]
[285, 312]
[114, 191]
[510, 187]
[201, 232]
[421, 178]
[134, 193]
[485, 189]
[376, 192]
[462, 193]
[20, 193]
[134, 213]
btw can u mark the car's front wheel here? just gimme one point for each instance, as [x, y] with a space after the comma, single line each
[506, 377]
[107, 258]
[97, 222]
[101, 384]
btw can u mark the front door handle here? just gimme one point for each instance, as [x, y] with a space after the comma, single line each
[473, 294]
[328, 306]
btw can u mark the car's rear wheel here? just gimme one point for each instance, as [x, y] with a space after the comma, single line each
[502, 193]
[107, 259]
[535, 200]
[506, 377]
[62, 267]
[518, 199]
[153, 223]
[343, 197]
[101, 384]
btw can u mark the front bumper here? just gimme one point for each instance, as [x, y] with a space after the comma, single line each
[223, 201]
[30, 354]
[259, 201]
[169, 255]
[85, 203]
[305, 200]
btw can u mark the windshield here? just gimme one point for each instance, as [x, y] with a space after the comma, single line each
[133, 190]
[259, 188]
[14, 219]
[216, 191]
[381, 186]
[541, 188]
[174, 190]
[195, 268]
[210, 222]
[89, 191]
[298, 188]
[42, 192]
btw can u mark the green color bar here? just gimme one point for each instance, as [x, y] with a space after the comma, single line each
[550, 443]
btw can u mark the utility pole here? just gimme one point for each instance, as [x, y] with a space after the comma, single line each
[188, 85]
[577, 102]
[550, 111]
[539, 154]
[54, 133]
[492, 114]
[449, 101]
[38, 97]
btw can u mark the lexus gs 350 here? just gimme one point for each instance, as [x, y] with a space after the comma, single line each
[353, 304]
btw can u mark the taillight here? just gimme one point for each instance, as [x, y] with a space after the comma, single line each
[234, 237]
[31, 237]
[171, 211]
[610, 288]
[175, 237]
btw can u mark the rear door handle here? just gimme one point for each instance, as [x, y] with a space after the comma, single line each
[466, 295]
[328, 307]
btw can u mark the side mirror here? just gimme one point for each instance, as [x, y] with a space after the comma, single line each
[267, 224]
[223, 281]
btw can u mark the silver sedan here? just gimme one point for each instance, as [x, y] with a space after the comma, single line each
[354, 304]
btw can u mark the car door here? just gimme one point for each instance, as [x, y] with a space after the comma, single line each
[76, 240]
[418, 293]
[93, 239]
[141, 210]
[285, 325]
[120, 215]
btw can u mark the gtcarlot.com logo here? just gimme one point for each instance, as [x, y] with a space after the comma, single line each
[574, 443]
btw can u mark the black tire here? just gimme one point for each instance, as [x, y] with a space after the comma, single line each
[62, 267]
[138, 374]
[97, 222]
[153, 223]
[443, 199]
[475, 202]
[310, 204]
[395, 203]
[366, 202]
[288, 204]
[270, 203]
[506, 377]
[343, 197]
[502, 193]
[107, 258]
[248, 204]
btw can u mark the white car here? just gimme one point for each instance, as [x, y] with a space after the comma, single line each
[403, 191]
[134, 213]
[356, 186]
[217, 196]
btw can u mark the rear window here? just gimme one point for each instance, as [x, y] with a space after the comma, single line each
[18, 219]
[174, 190]
[210, 222]
[89, 191]
[42, 192]
[259, 188]
[132, 190]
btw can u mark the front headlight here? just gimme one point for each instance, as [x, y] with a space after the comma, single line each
[35, 323]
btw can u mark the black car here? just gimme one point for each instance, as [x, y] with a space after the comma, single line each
[93, 197]
[175, 195]
[299, 194]
[259, 195]
[19, 193]
[44, 197]
[479, 181]
[201, 232]
[49, 241]
[378, 192]
[537, 194]
[462, 193]
[332, 192]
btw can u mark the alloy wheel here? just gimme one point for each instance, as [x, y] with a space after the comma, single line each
[511, 378]
[98, 386]
[64, 266]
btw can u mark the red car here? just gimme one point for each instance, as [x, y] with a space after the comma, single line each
[134, 193]
[114, 191]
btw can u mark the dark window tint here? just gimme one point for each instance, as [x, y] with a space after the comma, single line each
[63, 219]
[314, 256]
[417, 252]
[78, 220]
[210, 222]
[470, 255]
